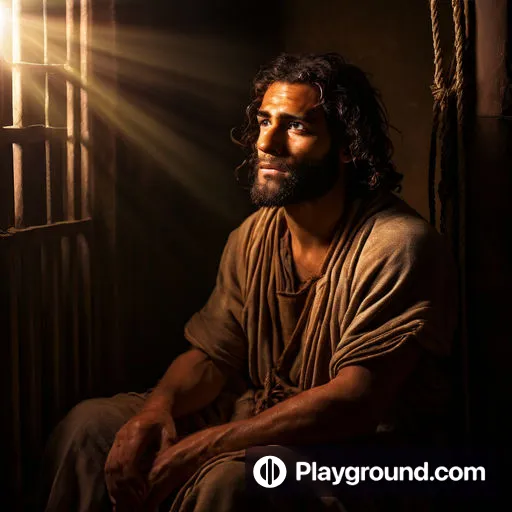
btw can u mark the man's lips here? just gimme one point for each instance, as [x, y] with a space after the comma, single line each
[271, 173]
[272, 169]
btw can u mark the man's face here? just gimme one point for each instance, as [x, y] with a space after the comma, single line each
[295, 161]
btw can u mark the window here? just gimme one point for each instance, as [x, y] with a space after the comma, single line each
[54, 272]
[45, 67]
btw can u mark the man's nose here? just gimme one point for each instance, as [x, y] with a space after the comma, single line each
[271, 141]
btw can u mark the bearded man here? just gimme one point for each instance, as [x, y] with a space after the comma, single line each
[331, 315]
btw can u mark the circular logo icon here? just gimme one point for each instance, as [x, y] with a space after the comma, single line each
[269, 471]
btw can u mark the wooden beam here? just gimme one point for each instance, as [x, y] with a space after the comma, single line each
[38, 67]
[55, 230]
[29, 134]
[491, 57]
[69, 204]
[17, 111]
[85, 188]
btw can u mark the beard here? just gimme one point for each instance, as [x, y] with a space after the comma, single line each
[300, 181]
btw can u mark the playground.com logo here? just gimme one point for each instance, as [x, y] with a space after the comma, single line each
[367, 469]
[269, 471]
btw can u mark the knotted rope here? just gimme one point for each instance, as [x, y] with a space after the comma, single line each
[275, 390]
[444, 90]
[448, 110]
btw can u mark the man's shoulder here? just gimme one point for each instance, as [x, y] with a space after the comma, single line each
[399, 227]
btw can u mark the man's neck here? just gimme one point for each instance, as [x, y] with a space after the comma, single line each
[312, 224]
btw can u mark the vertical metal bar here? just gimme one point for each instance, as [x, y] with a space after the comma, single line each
[68, 243]
[70, 166]
[56, 98]
[6, 168]
[31, 349]
[3, 23]
[56, 255]
[47, 116]
[83, 241]
[67, 348]
[45, 333]
[74, 298]
[15, 366]
[17, 110]
[84, 107]
[84, 251]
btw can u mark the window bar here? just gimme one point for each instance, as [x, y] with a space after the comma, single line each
[83, 242]
[15, 285]
[73, 195]
[70, 165]
[74, 298]
[84, 106]
[47, 116]
[57, 364]
[17, 119]
[3, 25]
[31, 346]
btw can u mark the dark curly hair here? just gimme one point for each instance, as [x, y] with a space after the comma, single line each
[355, 114]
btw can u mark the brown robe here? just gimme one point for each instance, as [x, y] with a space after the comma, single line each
[388, 279]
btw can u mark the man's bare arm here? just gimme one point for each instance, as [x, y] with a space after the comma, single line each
[349, 405]
[191, 382]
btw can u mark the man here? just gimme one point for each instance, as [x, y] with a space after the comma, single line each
[333, 307]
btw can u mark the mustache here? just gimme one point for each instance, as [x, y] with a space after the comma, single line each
[276, 163]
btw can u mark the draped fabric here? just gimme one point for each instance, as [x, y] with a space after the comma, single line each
[387, 279]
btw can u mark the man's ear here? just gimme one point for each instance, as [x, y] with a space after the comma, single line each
[345, 156]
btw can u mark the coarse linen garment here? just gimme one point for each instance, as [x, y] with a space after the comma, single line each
[388, 279]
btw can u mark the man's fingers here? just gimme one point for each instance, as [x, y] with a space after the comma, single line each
[166, 441]
[134, 447]
[125, 457]
[168, 436]
[131, 459]
[125, 483]
[130, 494]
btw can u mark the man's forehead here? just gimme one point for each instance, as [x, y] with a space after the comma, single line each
[292, 99]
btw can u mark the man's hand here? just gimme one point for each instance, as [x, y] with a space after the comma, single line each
[131, 457]
[173, 467]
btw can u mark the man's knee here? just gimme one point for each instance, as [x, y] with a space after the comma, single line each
[94, 421]
[75, 454]
[228, 475]
[222, 489]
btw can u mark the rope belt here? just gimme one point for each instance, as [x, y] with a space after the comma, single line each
[275, 390]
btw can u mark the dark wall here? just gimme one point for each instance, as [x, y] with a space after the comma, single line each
[185, 70]
[392, 41]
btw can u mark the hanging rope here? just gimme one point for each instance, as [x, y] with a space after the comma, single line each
[448, 130]
[445, 91]
[439, 87]
[438, 90]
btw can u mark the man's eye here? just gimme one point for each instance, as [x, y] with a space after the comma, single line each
[297, 125]
[264, 122]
